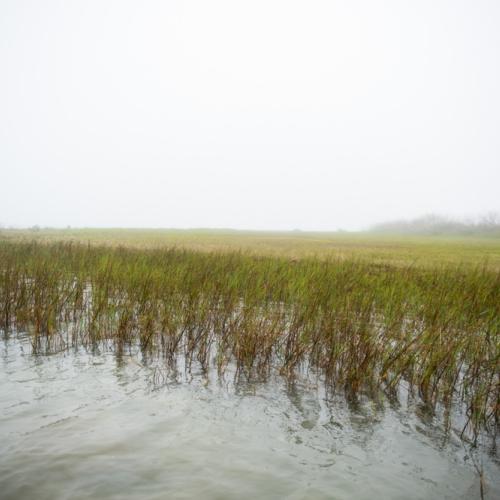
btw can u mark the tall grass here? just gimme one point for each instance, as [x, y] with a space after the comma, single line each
[361, 326]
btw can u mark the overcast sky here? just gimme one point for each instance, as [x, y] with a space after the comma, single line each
[272, 114]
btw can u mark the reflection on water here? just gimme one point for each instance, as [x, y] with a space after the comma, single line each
[80, 425]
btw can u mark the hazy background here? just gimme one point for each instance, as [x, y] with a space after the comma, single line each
[247, 114]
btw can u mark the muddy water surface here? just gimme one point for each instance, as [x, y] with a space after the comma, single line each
[77, 425]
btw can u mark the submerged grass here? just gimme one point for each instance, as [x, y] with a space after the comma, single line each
[361, 325]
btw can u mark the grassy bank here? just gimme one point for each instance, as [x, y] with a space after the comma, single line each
[362, 325]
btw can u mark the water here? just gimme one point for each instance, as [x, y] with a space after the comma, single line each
[77, 426]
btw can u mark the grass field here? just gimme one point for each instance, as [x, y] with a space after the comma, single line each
[375, 248]
[369, 313]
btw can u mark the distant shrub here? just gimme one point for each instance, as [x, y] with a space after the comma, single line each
[488, 224]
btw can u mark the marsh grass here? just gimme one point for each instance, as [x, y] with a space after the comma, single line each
[362, 326]
[398, 250]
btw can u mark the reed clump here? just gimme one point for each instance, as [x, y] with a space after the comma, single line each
[362, 326]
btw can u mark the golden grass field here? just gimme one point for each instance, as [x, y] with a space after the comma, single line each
[377, 248]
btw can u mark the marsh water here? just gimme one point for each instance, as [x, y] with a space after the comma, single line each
[80, 424]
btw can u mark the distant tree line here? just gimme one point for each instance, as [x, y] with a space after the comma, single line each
[488, 225]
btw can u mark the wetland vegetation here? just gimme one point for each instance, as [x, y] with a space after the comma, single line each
[362, 325]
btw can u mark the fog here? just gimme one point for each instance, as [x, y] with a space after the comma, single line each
[315, 115]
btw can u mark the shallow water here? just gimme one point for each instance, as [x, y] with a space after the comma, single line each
[76, 425]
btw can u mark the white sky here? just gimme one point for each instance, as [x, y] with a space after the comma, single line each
[273, 114]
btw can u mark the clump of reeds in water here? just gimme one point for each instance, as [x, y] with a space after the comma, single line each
[361, 326]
